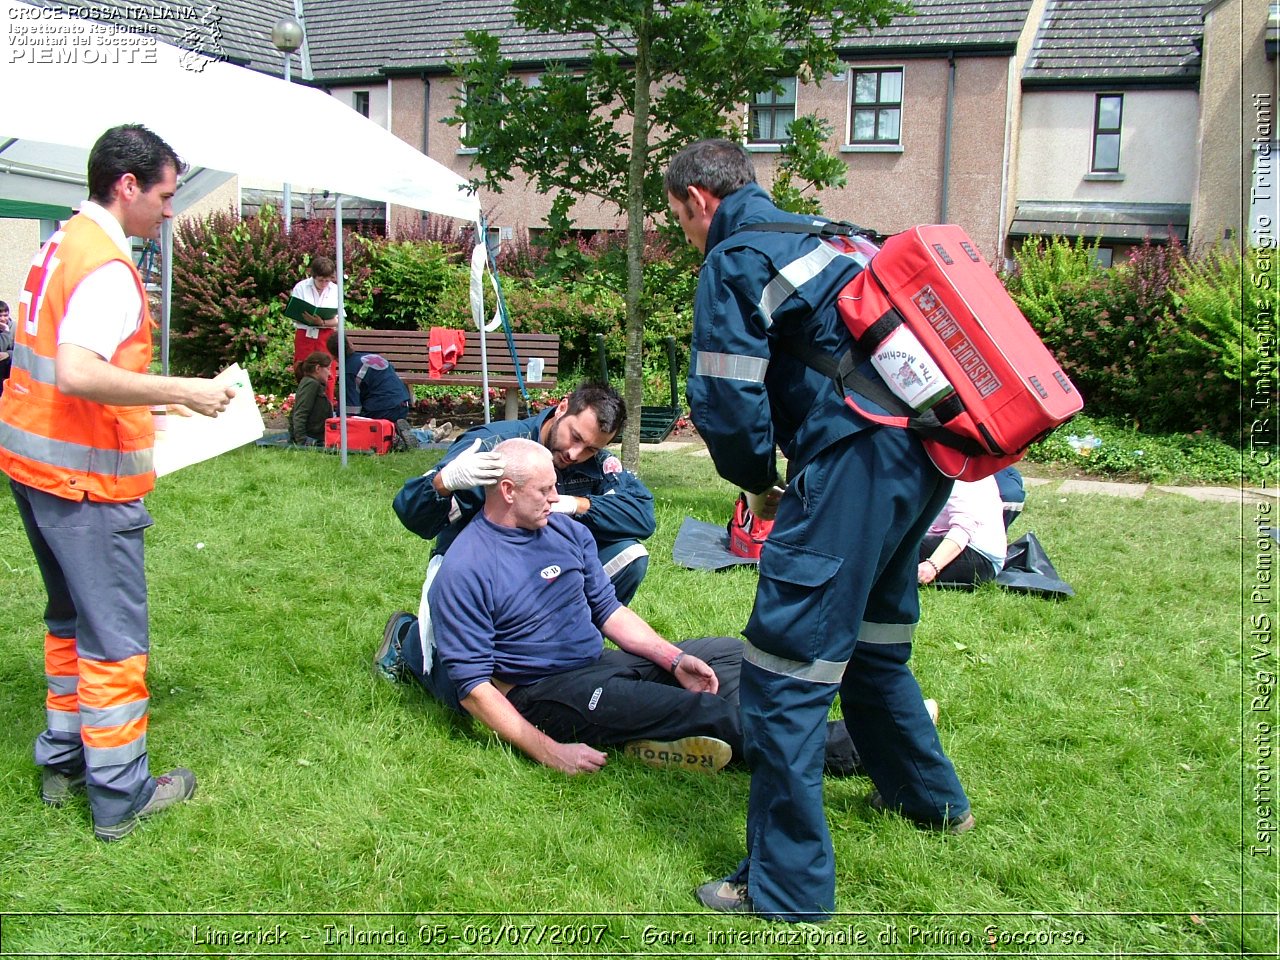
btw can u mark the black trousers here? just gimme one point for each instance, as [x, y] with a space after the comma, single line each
[622, 697]
[967, 570]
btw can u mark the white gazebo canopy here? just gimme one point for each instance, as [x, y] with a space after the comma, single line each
[67, 80]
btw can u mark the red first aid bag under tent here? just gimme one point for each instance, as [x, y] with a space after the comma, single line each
[363, 433]
[942, 331]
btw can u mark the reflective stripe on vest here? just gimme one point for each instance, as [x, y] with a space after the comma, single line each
[67, 446]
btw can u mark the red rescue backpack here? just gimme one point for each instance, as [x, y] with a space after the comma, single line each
[941, 330]
[747, 532]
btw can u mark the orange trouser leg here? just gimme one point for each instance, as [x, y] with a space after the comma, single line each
[60, 746]
[113, 728]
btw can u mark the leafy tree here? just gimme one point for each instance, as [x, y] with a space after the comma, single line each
[806, 165]
[660, 75]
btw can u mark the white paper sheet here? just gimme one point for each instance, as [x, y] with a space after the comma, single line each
[182, 441]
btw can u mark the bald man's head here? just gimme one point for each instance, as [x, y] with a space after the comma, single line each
[523, 496]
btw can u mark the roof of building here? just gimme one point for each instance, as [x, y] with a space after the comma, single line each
[1077, 42]
[235, 30]
[362, 39]
[1123, 222]
[951, 24]
[1095, 41]
[404, 35]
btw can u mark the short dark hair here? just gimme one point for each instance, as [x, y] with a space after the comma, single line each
[323, 266]
[717, 166]
[130, 148]
[332, 346]
[4, 306]
[605, 403]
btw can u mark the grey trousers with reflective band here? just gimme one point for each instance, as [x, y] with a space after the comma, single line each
[90, 556]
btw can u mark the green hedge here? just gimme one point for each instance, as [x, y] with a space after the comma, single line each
[1163, 341]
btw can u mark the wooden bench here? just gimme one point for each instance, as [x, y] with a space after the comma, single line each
[407, 351]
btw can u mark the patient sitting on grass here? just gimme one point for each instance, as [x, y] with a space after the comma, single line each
[517, 612]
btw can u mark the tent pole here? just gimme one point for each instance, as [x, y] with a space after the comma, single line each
[483, 237]
[166, 291]
[342, 338]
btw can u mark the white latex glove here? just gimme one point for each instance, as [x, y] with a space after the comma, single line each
[565, 505]
[473, 468]
[764, 505]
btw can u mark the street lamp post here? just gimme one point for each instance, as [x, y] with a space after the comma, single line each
[286, 35]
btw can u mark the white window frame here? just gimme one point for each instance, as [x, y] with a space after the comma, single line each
[851, 72]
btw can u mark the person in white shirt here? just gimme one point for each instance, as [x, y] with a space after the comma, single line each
[966, 543]
[320, 290]
[76, 438]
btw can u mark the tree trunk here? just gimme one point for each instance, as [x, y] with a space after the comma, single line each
[634, 366]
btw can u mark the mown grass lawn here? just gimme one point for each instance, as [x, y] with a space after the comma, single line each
[1105, 742]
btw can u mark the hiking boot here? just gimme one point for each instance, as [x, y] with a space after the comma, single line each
[725, 897]
[388, 662]
[953, 825]
[404, 435]
[705, 754]
[442, 433]
[56, 787]
[174, 787]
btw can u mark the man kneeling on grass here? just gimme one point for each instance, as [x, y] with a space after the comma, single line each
[517, 610]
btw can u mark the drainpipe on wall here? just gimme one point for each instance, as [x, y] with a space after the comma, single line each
[426, 113]
[1002, 238]
[426, 129]
[946, 136]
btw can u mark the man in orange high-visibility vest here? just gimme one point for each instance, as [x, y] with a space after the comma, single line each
[76, 440]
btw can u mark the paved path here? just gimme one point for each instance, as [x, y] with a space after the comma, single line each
[1133, 491]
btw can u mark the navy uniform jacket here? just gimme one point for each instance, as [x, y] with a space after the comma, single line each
[747, 395]
[621, 505]
[379, 388]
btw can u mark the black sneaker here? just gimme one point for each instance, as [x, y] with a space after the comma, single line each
[725, 897]
[56, 787]
[174, 787]
[953, 825]
[387, 661]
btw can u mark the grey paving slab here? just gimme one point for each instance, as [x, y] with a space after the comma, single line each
[1133, 491]
[1035, 481]
[1271, 492]
[1209, 494]
[671, 446]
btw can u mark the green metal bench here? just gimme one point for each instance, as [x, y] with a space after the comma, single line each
[656, 422]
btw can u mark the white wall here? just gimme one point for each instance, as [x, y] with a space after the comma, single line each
[19, 241]
[1157, 147]
[377, 99]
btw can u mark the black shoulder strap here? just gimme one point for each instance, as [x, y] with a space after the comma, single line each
[829, 228]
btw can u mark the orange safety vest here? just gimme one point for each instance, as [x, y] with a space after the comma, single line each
[67, 446]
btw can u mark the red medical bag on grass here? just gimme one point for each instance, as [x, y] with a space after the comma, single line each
[363, 433]
[747, 532]
[960, 365]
